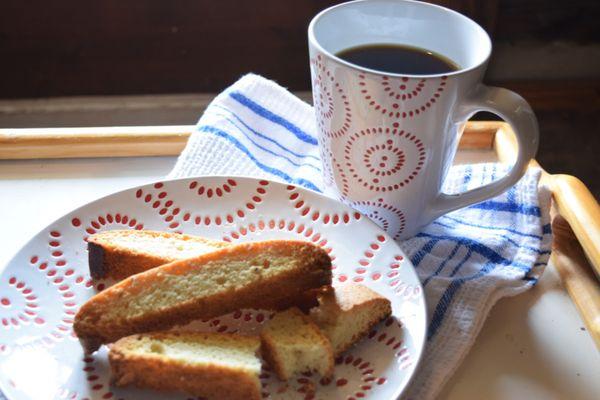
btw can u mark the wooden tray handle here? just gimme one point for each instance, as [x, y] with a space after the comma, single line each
[579, 279]
[581, 210]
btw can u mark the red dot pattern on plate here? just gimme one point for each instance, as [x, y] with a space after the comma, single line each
[329, 97]
[221, 190]
[19, 305]
[384, 153]
[174, 216]
[327, 218]
[404, 97]
[59, 278]
[402, 289]
[382, 335]
[98, 383]
[301, 230]
[388, 217]
[354, 378]
[67, 394]
[405, 290]
[110, 221]
[220, 324]
[365, 268]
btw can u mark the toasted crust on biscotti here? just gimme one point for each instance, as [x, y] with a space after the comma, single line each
[247, 275]
[209, 365]
[292, 343]
[349, 313]
[118, 254]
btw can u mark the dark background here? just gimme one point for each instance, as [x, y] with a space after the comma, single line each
[549, 51]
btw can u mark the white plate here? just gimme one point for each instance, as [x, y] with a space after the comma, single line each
[45, 283]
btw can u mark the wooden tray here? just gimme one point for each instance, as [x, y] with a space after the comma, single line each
[575, 212]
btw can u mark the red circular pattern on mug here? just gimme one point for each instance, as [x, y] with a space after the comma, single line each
[404, 97]
[326, 158]
[402, 89]
[328, 96]
[388, 217]
[383, 159]
[386, 164]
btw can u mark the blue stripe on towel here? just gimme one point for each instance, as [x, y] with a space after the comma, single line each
[492, 261]
[462, 262]
[498, 228]
[501, 235]
[468, 176]
[271, 116]
[261, 135]
[508, 207]
[547, 229]
[298, 181]
[426, 249]
[442, 264]
[268, 150]
[478, 248]
[440, 310]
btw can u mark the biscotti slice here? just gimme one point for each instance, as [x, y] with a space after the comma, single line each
[347, 314]
[247, 275]
[209, 365]
[291, 343]
[121, 253]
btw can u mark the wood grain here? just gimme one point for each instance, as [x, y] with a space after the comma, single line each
[577, 205]
[137, 141]
[93, 142]
[569, 260]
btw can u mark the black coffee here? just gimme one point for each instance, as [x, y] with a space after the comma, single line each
[398, 59]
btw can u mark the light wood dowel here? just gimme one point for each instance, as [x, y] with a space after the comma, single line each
[579, 280]
[126, 141]
[579, 207]
[136, 141]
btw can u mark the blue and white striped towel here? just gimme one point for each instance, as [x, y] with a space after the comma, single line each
[466, 260]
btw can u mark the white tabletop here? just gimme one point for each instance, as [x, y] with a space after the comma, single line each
[533, 346]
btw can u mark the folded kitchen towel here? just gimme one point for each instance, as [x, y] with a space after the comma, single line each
[466, 260]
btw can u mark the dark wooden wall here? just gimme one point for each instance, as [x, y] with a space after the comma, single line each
[83, 47]
[72, 47]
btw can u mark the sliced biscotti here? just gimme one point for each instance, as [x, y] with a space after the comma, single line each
[291, 343]
[247, 275]
[347, 314]
[121, 253]
[209, 365]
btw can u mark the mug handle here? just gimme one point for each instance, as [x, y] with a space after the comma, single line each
[516, 111]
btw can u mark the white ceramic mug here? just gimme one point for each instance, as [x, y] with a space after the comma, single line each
[387, 140]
